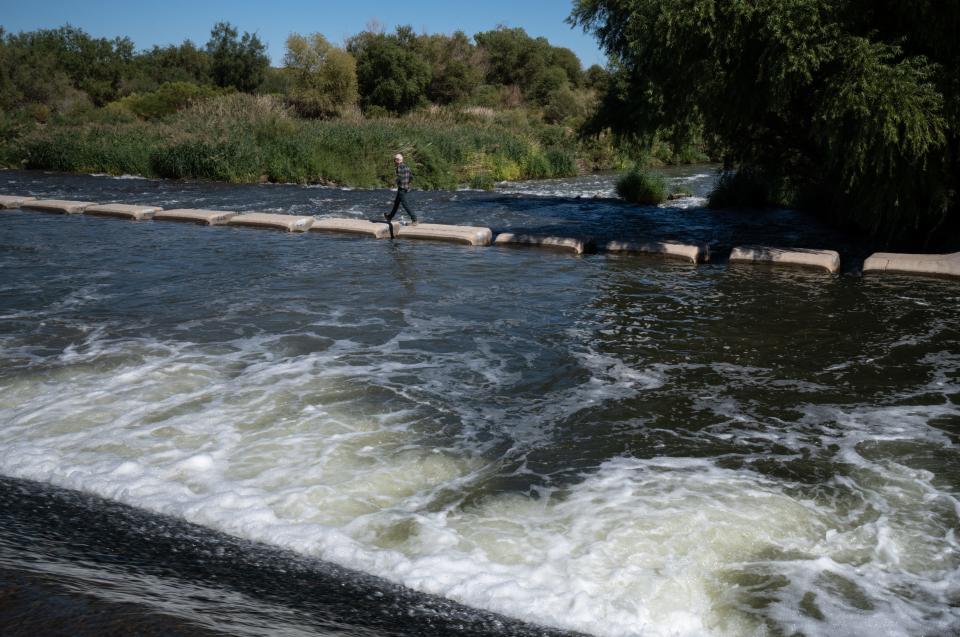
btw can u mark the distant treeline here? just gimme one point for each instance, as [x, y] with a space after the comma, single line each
[499, 105]
[380, 72]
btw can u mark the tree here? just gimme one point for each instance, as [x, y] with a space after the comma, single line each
[569, 62]
[454, 64]
[513, 57]
[844, 107]
[596, 78]
[548, 81]
[240, 63]
[390, 74]
[174, 63]
[324, 77]
[45, 65]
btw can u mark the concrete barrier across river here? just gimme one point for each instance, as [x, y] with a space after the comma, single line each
[290, 223]
[190, 215]
[57, 205]
[692, 253]
[936, 264]
[573, 244]
[13, 201]
[828, 260]
[124, 211]
[472, 235]
[378, 230]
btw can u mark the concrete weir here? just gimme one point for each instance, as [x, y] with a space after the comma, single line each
[691, 253]
[573, 244]
[57, 205]
[290, 223]
[935, 264]
[13, 201]
[355, 226]
[125, 211]
[472, 235]
[763, 255]
[189, 215]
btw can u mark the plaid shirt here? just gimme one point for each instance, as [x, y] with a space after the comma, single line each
[404, 177]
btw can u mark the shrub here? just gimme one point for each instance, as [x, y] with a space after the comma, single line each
[563, 162]
[537, 166]
[748, 187]
[482, 181]
[167, 99]
[641, 187]
[324, 77]
[90, 148]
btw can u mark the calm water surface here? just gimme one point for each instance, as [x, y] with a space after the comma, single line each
[234, 431]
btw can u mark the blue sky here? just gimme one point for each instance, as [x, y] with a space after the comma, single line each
[172, 21]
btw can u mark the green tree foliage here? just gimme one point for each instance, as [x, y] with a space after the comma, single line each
[539, 69]
[568, 61]
[43, 66]
[513, 57]
[596, 78]
[175, 63]
[167, 99]
[846, 107]
[455, 68]
[566, 104]
[324, 77]
[390, 73]
[240, 62]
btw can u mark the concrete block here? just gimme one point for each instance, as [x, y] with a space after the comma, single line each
[125, 211]
[573, 244]
[14, 201]
[471, 235]
[290, 223]
[208, 217]
[826, 259]
[57, 205]
[378, 230]
[692, 253]
[936, 264]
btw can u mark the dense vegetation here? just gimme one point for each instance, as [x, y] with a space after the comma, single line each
[638, 186]
[499, 106]
[849, 108]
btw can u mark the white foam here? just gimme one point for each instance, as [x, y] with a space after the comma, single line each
[286, 450]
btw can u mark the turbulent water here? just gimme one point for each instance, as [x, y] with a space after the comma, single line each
[235, 431]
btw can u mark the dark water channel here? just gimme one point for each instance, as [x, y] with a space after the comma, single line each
[229, 431]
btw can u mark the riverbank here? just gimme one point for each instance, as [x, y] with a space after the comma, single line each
[248, 139]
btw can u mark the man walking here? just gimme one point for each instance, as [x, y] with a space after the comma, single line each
[404, 177]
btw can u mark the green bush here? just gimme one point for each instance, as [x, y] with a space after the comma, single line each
[537, 166]
[642, 187]
[563, 162]
[482, 181]
[748, 187]
[90, 148]
[167, 99]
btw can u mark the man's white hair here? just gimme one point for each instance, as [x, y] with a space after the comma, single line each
[398, 156]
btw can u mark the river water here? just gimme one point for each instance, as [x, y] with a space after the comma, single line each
[208, 431]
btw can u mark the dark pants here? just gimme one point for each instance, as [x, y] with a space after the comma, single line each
[401, 200]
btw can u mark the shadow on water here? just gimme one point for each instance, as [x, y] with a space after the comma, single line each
[146, 574]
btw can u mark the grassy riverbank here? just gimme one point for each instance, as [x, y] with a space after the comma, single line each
[244, 139]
